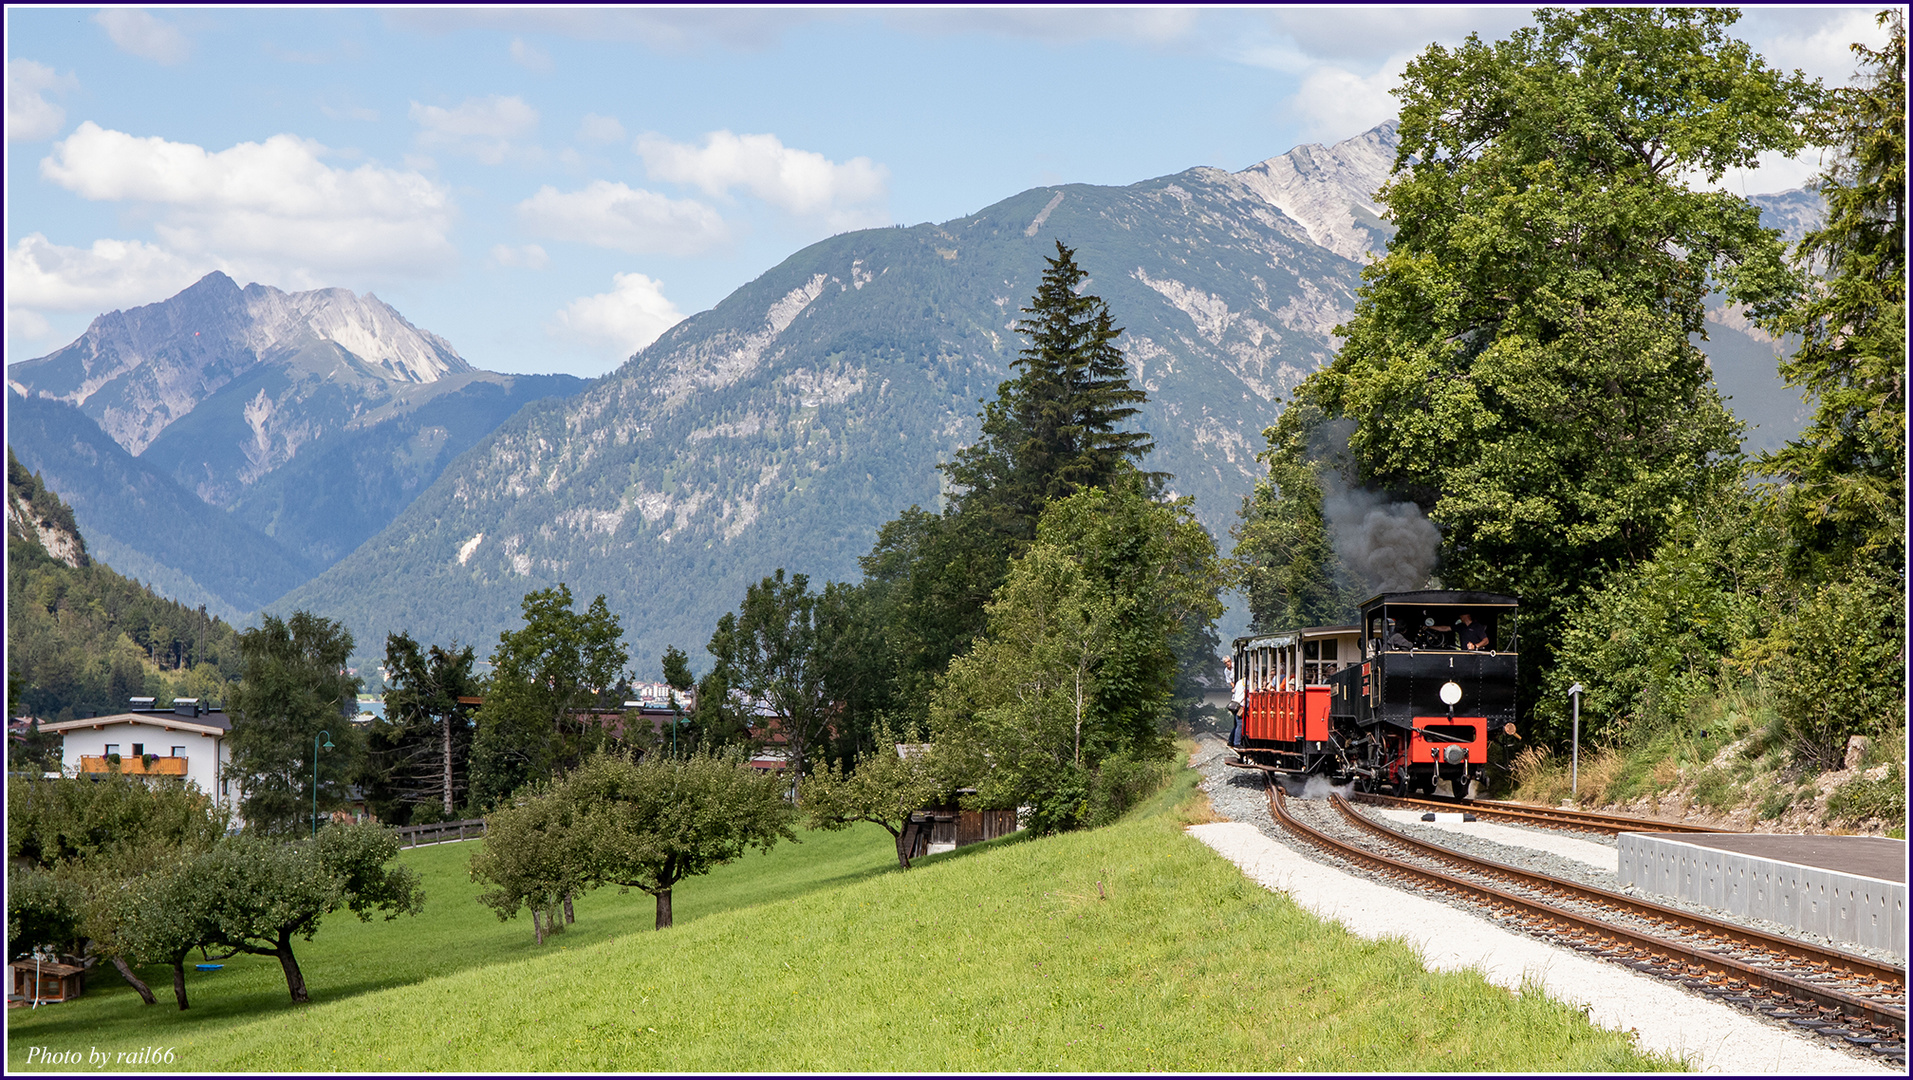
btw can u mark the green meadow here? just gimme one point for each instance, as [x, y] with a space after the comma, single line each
[1128, 948]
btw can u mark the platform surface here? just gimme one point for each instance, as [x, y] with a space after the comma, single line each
[1865, 856]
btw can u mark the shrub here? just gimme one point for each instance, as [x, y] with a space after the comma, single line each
[1838, 669]
[1863, 799]
[1715, 790]
[1120, 782]
[1775, 804]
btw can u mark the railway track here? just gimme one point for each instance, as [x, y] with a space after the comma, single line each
[1834, 994]
[1546, 816]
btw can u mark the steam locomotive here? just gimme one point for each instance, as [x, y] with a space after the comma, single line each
[1403, 702]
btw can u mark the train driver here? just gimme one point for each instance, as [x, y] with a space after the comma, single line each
[1472, 637]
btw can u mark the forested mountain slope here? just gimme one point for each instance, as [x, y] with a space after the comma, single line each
[82, 638]
[785, 425]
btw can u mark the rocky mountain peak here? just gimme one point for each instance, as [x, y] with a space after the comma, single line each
[136, 371]
[1330, 190]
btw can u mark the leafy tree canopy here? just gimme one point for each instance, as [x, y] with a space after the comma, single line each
[1080, 660]
[546, 677]
[1519, 363]
[295, 688]
[651, 824]
[1844, 480]
[885, 786]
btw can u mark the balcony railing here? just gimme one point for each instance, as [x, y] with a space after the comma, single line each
[135, 766]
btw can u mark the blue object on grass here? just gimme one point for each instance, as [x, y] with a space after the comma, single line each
[208, 967]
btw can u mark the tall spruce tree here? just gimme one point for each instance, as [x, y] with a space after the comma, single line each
[1843, 482]
[418, 753]
[1052, 430]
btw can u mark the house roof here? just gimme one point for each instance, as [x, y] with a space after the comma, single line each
[214, 724]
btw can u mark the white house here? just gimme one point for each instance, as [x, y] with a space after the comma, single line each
[188, 741]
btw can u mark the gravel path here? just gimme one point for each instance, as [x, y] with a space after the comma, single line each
[1711, 1037]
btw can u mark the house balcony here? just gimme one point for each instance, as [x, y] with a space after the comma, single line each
[135, 766]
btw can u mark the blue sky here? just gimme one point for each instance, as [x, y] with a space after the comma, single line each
[551, 189]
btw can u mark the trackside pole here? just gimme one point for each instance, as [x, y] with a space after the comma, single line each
[1574, 764]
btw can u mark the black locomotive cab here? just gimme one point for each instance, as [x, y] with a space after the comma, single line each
[1435, 686]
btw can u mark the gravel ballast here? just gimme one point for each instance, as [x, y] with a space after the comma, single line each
[1709, 1036]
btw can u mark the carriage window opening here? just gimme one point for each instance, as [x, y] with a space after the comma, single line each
[1312, 650]
[1328, 649]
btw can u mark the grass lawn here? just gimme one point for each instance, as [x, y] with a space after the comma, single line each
[1127, 948]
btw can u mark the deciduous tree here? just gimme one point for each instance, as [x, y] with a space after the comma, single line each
[295, 687]
[532, 858]
[651, 824]
[546, 678]
[885, 786]
[1079, 662]
[774, 652]
[257, 895]
[1520, 363]
[155, 917]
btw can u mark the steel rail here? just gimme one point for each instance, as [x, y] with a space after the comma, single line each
[1694, 923]
[1606, 824]
[1694, 961]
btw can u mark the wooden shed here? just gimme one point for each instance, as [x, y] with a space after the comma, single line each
[57, 982]
[945, 829]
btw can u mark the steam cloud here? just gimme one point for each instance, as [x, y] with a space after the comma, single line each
[1391, 545]
[1315, 788]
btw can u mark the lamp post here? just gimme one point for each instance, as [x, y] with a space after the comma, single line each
[1574, 765]
[315, 778]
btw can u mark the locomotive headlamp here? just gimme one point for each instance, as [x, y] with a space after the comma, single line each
[1450, 693]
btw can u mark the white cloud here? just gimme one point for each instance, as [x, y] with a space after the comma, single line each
[484, 128]
[600, 129]
[529, 257]
[110, 274]
[1817, 41]
[1371, 38]
[273, 208]
[1334, 103]
[136, 32]
[800, 182]
[30, 116]
[611, 215]
[629, 317]
[530, 57]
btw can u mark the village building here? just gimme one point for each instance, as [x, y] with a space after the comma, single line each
[187, 741]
